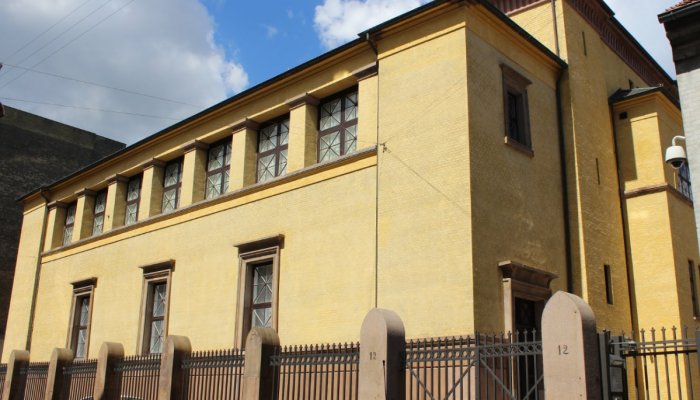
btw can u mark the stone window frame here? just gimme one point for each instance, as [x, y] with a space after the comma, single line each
[524, 282]
[102, 214]
[177, 186]
[68, 237]
[276, 151]
[342, 126]
[224, 169]
[153, 274]
[136, 201]
[515, 86]
[81, 289]
[252, 253]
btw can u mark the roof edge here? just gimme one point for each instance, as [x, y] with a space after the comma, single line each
[680, 12]
[619, 96]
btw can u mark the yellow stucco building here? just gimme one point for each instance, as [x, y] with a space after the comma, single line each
[456, 165]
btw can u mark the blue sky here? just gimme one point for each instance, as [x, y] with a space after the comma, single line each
[164, 60]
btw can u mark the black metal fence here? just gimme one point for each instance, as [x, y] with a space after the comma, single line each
[137, 377]
[79, 379]
[660, 364]
[32, 377]
[3, 373]
[479, 367]
[213, 375]
[326, 372]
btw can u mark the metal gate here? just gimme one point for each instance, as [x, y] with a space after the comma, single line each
[480, 367]
[663, 364]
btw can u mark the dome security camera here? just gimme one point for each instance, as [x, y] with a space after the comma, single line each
[675, 155]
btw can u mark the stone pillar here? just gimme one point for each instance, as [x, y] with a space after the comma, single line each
[368, 84]
[171, 373]
[54, 378]
[116, 202]
[243, 154]
[257, 378]
[55, 222]
[151, 202]
[193, 172]
[105, 378]
[84, 212]
[382, 357]
[570, 349]
[303, 132]
[13, 386]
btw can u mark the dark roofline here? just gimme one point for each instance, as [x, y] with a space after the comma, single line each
[679, 12]
[360, 40]
[623, 95]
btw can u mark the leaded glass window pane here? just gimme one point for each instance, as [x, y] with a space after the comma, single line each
[513, 116]
[330, 114]
[268, 138]
[100, 203]
[80, 346]
[157, 336]
[172, 174]
[169, 198]
[330, 146]
[284, 135]
[68, 235]
[133, 190]
[216, 157]
[262, 317]
[262, 284]
[351, 106]
[70, 215]
[283, 162]
[266, 168]
[97, 225]
[131, 211]
[228, 154]
[159, 300]
[84, 311]
[213, 185]
[226, 179]
[351, 139]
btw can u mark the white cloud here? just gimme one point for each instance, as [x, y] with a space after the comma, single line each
[271, 31]
[164, 51]
[339, 21]
[640, 17]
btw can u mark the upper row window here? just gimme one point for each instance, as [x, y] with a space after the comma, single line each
[172, 185]
[337, 132]
[273, 141]
[218, 166]
[133, 197]
[99, 215]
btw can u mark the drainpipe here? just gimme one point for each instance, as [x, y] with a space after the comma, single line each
[37, 272]
[623, 213]
[565, 188]
[376, 189]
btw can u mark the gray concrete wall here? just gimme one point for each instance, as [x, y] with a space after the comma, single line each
[689, 86]
[35, 151]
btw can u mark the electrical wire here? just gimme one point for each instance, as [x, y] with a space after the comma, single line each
[64, 46]
[61, 34]
[51, 27]
[87, 108]
[104, 86]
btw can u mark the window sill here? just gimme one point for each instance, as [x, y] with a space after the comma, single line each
[519, 146]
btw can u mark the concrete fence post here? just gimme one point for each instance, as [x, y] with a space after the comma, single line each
[382, 357]
[54, 377]
[570, 349]
[13, 385]
[257, 376]
[171, 373]
[105, 378]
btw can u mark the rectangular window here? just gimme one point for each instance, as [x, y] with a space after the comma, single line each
[98, 220]
[133, 197]
[608, 284]
[155, 300]
[337, 129]
[273, 140]
[262, 295]
[683, 183]
[156, 316]
[693, 293]
[172, 185]
[81, 315]
[218, 168]
[70, 223]
[516, 110]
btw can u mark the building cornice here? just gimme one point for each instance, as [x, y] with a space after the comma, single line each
[659, 188]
